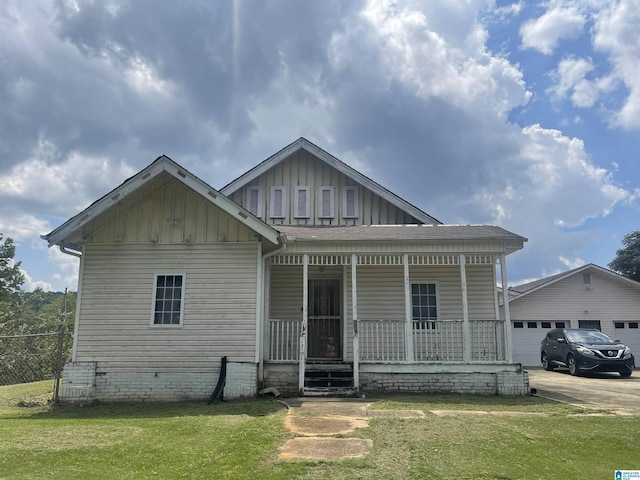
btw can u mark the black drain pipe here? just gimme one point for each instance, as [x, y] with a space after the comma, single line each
[223, 376]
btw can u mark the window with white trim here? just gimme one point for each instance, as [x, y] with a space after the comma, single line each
[301, 206]
[168, 299]
[424, 302]
[253, 202]
[277, 202]
[350, 202]
[325, 202]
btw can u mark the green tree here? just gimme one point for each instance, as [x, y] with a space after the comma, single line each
[10, 276]
[627, 261]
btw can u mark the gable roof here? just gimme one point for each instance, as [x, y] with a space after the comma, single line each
[69, 234]
[530, 287]
[304, 144]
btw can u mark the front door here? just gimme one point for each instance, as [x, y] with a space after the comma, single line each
[324, 341]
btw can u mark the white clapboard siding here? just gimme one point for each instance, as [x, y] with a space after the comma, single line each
[116, 305]
[303, 169]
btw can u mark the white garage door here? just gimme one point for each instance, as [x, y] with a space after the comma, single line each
[526, 338]
[629, 334]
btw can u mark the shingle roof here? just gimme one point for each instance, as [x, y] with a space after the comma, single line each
[529, 287]
[400, 233]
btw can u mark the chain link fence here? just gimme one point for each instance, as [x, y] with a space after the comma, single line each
[30, 368]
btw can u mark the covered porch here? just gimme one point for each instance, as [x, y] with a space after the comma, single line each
[381, 315]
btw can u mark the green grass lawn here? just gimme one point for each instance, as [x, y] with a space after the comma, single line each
[237, 440]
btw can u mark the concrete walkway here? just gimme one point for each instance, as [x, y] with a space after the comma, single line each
[317, 422]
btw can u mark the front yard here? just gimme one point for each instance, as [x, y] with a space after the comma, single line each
[238, 440]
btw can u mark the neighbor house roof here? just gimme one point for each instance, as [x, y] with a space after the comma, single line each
[304, 144]
[69, 234]
[519, 291]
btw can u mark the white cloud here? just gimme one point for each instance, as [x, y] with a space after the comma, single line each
[67, 268]
[30, 284]
[545, 32]
[572, 263]
[616, 32]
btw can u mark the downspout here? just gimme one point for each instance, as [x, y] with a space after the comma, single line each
[282, 240]
[76, 323]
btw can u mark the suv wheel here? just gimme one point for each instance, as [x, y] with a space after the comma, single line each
[546, 364]
[573, 366]
[625, 372]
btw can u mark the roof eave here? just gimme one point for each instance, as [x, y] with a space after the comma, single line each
[162, 164]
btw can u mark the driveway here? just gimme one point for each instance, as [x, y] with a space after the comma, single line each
[606, 390]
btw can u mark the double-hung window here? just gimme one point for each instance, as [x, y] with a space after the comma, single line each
[168, 299]
[424, 302]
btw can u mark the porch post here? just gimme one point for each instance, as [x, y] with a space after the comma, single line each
[302, 357]
[408, 312]
[354, 314]
[466, 330]
[507, 316]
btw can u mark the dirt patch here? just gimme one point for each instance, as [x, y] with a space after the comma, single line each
[319, 448]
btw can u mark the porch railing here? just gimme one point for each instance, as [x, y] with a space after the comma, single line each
[385, 341]
[382, 340]
[284, 340]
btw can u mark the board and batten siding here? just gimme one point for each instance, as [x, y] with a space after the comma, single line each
[116, 306]
[303, 169]
[165, 211]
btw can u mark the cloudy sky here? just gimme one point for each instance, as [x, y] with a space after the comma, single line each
[524, 115]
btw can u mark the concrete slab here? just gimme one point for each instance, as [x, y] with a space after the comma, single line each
[320, 448]
[323, 425]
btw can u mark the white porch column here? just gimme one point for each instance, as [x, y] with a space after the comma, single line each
[408, 312]
[305, 320]
[507, 316]
[354, 314]
[466, 329]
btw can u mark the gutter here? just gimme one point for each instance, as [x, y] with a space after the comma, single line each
[64, 249]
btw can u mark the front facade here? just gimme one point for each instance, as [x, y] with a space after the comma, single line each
[308, 276]
[586, 297]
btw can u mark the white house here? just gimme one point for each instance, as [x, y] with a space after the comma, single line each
[585, 297]
[305, 274]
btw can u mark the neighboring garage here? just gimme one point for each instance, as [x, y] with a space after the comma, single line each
[526, 340]
[586, 297]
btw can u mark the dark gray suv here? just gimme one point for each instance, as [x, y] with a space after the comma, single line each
[582, 350]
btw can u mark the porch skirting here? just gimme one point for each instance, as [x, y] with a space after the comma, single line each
[475, 379]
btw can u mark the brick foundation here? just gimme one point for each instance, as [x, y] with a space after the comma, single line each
[82, 383]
